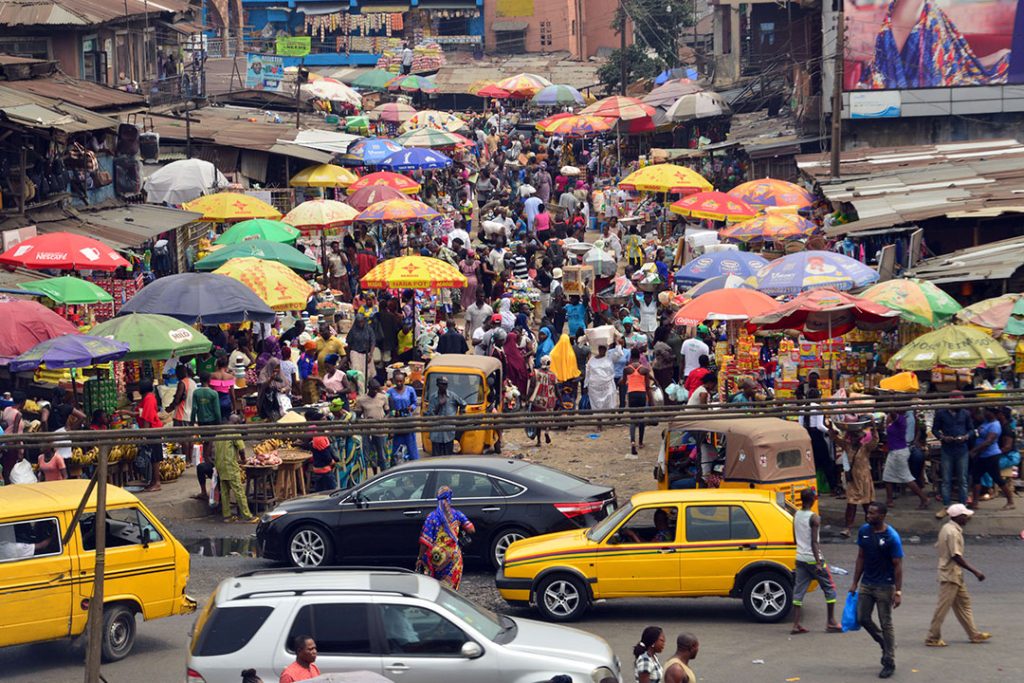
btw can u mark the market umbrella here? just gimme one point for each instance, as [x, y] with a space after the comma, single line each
[62, 251]
[364, 197]
[804, 270]
[665, 178]
[395, 181]
[619, 108]
[917, 301]
[431, 137]
[182, 181]
[275, 283]
[725, 304]
[740, 263]
[413, 272]
[397, 211]
[601, 261]
[826, 313]
[713, 205]
[953, 346]
[69, 351]
[476, 86]
[153, 337]
[330, 89]
[667, 94]
[995, 314]
[557, 96]
[26, 323]
[415, 159]
[578, 126]
[323, 175]
[393, 112]
[547, 121]
[260, 249]
[523, 85]
[432, 118]
[206, 298]
[231, 206]
[320, 214]
[259, 229]
[357, 124]
[375, 79]
[715, 283]
[771, 192]
[68, 290]
[494, 92]
[698, 105]
[370, 152]
[411, 83]
[769, 226]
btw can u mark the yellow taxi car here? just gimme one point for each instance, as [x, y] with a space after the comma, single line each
[685, 543]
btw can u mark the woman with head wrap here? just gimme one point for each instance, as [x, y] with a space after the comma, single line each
[544, 345]
[272, 387]
[402, 402]
[514, 363]
[508, 318]
[543, 392]
[269, 348]
[439, 555]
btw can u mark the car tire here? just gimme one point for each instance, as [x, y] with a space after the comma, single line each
[767, 597]
[562, 597]
[502, 540]
[118, 632]
[309, 546]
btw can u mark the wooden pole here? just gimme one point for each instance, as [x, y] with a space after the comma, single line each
[94, 652]
[837, 91]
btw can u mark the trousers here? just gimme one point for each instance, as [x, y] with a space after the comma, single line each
[954, 464]
[231, 482]
[883, 632]
[953, 596]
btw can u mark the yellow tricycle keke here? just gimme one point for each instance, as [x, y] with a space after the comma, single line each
[765, 453]
[477, 380]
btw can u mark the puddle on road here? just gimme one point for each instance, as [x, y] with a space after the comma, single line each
[223, 547]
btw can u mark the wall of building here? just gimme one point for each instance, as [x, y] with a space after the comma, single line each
[922, 130]
[579, 27]
[597, 26]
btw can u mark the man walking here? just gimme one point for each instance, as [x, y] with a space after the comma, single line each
[810, 564]
[303, 668]
[677, 669]
[952, 591]
[226, 457]
[952, 428]
[407, 55]
[443, 404]
[880, 563]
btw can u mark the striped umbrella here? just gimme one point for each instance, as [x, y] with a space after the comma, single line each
[557, 96]
[620, 108]
[411, 83]
[771, 192]
[523, 85]
[397, 211]
[430, 137]
[578, 126]
[393, 112]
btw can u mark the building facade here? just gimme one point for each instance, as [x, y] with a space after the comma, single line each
[583, 28]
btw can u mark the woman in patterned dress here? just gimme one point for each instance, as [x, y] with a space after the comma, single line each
[439, 554]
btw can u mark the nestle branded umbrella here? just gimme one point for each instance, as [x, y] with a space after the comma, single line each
[153, 337]
[63, 251]
[826, 313]
[205, 298]
[69, 351]
[26, 323]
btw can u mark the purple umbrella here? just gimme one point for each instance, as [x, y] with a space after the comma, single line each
[69, 351]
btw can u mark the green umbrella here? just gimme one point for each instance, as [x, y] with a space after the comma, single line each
[953, 346]
[153, 337]
[262, 249]
[917, 301]
[377, 79]
[355, 124]
[259, 229]
[68, 290]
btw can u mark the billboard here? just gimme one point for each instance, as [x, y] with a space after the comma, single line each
[909, 44]
[264, 72]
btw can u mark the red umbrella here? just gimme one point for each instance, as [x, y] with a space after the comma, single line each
[725, 304]
[494, 92]
[63, 251]
[27, 323]
[395, 181]
[826, 313]
[360, 199]
[620, 108]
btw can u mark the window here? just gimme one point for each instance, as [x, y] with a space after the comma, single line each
[484, 621]
[466, 484]
[549, 477]
[650, 525]
[33, 48]
[29, 539]
[719, 523]
[786, 459]
[417, 631]
[467, 387]
[545, 34]
[338, 628]
[126, 526]
[229, 629]
[507, 488]
[403, 486]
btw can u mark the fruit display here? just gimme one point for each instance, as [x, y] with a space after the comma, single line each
[171, 468]
[117, 454]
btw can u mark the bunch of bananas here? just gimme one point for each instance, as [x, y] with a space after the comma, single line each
[171, 468]
[89, 457]
[126, 452]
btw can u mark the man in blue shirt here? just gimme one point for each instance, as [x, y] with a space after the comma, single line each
[880, 565]
[986, 458]
[952, 428]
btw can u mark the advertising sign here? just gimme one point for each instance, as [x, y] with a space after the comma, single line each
[264, 72]
[875, 104]
[909, 44]
[293, 46]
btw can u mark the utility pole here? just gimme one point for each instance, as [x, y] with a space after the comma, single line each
[837, 88]
[94, 623]
[622, 49]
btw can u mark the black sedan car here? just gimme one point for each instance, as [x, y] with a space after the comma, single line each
[380, 520]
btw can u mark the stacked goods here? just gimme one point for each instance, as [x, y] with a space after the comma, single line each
[171, 468]
[121, 289]
[91, 456]
[426, 56]
[99, 394]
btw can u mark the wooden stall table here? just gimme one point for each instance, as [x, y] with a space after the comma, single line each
[291, 481]
[259, 487]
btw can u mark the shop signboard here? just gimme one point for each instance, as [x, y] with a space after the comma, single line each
[875, 104]
[293, 46]
[264, 72]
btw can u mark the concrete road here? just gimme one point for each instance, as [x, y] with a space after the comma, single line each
[732, 648]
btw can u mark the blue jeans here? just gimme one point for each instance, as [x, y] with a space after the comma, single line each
[954, 463]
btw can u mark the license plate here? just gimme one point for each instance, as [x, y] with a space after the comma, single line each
[609, 508]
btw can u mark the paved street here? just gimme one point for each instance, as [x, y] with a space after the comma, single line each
[732, 648]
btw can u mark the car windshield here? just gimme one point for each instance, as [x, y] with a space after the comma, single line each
[467, 387]
[602, 528]
[489, 624]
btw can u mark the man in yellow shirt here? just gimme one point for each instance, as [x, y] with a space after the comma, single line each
[952, 591]
[327, 344]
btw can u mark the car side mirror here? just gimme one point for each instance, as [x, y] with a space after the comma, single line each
[614, 539]
[147, 537]
[471, 650]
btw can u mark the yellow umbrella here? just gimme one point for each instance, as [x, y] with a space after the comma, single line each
[231, 206]
[324, 175]
[320, 214]
[665, 178]
[413, 272]
[476, 86]
[278, 285]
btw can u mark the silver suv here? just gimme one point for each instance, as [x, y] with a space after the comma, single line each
[404, 626]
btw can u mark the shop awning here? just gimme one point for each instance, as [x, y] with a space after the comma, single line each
[124, 227]
[509, 26]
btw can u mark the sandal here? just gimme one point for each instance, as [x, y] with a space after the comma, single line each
[981, 637]
[845, 533]
[833, 628]
[935, 643]
[797, 630]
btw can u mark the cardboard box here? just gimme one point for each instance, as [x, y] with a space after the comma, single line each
[576, 278]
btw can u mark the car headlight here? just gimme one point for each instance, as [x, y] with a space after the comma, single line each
[603, 674]
[269, 517]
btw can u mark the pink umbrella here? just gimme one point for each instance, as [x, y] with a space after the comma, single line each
[27, 323]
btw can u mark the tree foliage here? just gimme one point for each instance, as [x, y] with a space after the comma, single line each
[638, 65]
[657, 25]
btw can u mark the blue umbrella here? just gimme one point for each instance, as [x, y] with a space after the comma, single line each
[741, 263]
[205, 298]
[415, 159]
[370, 152]
[69, 351]
[719, 282]
[807, 270]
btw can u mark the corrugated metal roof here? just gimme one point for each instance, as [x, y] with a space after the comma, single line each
[36, 111]
[456, 77]
[994, 261]
[80, 12]
[123, 227]
[238, 127]
[83, 93]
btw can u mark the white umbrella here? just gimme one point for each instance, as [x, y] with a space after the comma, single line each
[330, 89]
[698, 105]
[182, 181]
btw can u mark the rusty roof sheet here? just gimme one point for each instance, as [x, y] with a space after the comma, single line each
[85, 94]
[36, 111]
[993, 261]
[455, 77]
[80, 12]
[232, 127]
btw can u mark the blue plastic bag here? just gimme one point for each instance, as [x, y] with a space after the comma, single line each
[850, 613]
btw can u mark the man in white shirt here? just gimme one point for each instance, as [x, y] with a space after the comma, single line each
[476, 313]
[496, 259]
[406, 59]
[691, 350]
[530, 207]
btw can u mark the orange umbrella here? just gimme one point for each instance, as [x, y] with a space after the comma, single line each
[772, 192]
[397, 211]
[579, 126]
[619, 108]
[717, 206]
[397, 181]
[725, 304]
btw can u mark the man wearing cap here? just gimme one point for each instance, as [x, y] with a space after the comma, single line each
[952, 590]
[484, 336]
[443, 404]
